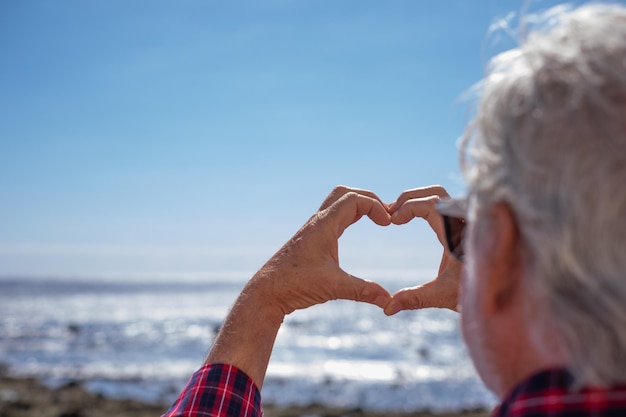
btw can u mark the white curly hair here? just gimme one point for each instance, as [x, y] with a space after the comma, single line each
[549, 138]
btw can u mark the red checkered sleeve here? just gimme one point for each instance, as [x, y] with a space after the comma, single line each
[218, 390]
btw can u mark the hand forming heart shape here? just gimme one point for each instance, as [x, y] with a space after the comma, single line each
[306, 271]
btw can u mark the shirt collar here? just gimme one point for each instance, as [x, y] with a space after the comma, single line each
[553, 381]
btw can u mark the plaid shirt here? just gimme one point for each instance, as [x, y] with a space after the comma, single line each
[549, 393]
[218, 390]
[223, 390]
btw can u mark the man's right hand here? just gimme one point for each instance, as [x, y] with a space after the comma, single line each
[442, 291]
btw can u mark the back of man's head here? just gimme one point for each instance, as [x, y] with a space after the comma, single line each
[549, 138]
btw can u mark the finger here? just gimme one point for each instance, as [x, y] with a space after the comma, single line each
[358, 289]
[352, 206]
[417, 207]
[424, 208]
[341, 190]
[417, 193]
[428, 295]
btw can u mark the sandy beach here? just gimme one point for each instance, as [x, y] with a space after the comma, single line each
[26, 397]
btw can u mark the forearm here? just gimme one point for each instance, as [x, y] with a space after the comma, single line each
[303, 273]
[247, 336]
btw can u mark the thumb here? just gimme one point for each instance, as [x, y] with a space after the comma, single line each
[423, 296]
[358, 289]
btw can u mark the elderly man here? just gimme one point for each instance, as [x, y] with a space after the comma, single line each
[537, 245]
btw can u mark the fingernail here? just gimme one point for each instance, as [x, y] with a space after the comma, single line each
[392, 309]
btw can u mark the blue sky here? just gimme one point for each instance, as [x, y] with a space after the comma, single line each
[194, 137]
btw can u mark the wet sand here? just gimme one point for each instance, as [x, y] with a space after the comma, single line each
[26, 397]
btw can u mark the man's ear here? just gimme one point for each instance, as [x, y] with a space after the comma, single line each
[502, 259]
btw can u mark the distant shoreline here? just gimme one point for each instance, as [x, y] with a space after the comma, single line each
[27, 397]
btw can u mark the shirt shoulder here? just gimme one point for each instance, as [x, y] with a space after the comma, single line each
[550, 393]
[219, 390]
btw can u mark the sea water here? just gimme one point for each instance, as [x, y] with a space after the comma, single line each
[143, 339]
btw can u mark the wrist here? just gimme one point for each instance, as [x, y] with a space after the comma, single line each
[260, 295]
